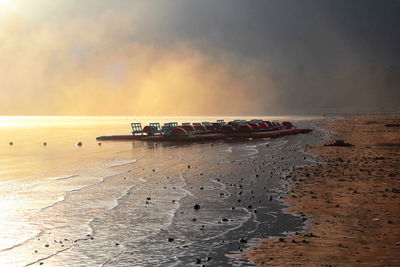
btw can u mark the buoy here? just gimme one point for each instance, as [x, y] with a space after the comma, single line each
[188, 128]
[44, 144]
[244, 128]
[254, 126]
[287, 124]
[267, 145]
[264, 125]
[179, 131]
[216, 126]
[11, 143]
[99, 144]
[200, 128]
[227, 128]
[149, 130]
[211, 144]
[79, 144]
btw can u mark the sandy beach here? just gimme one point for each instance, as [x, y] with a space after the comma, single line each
[199, 133]
[351, 201]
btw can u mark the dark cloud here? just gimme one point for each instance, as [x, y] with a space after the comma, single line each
[325, 54]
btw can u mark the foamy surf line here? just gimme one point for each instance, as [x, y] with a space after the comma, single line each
[123, 163]
[63, 177]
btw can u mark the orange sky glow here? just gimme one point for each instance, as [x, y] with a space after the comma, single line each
[113, 57]
[84, 66]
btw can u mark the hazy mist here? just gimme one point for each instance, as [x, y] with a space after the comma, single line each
[188, 57]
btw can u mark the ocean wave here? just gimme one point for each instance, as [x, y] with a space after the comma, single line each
[63, 177]
[227, 150]
[122, 163]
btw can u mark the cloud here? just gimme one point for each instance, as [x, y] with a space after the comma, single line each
[113, 57]
[97, 67]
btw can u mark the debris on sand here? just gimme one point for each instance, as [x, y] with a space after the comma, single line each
[354, 211]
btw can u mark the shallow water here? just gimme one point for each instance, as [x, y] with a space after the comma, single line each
[118, 203]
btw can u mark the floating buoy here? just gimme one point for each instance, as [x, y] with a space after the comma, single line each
[244, 128]
[200, 128]
[267, 145]
[211, 144]
[179, 131]
[99, 144]
[10, 143]
[44, 144]
[79, 144]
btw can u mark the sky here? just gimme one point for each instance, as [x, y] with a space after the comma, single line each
[198, 57]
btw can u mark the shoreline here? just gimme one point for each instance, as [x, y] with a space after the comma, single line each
[352, 202]
[227, 181]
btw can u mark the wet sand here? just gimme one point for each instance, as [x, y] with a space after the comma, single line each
[351, 201]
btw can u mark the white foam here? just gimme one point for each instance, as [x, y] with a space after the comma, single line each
[122, 163]
[227, 150]
[63, 177]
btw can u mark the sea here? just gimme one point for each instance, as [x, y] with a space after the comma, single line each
[69, 200]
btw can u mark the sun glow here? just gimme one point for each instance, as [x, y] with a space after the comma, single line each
[7, 5]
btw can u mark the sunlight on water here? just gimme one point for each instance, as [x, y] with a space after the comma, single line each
[43, 165]
[63, 121]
